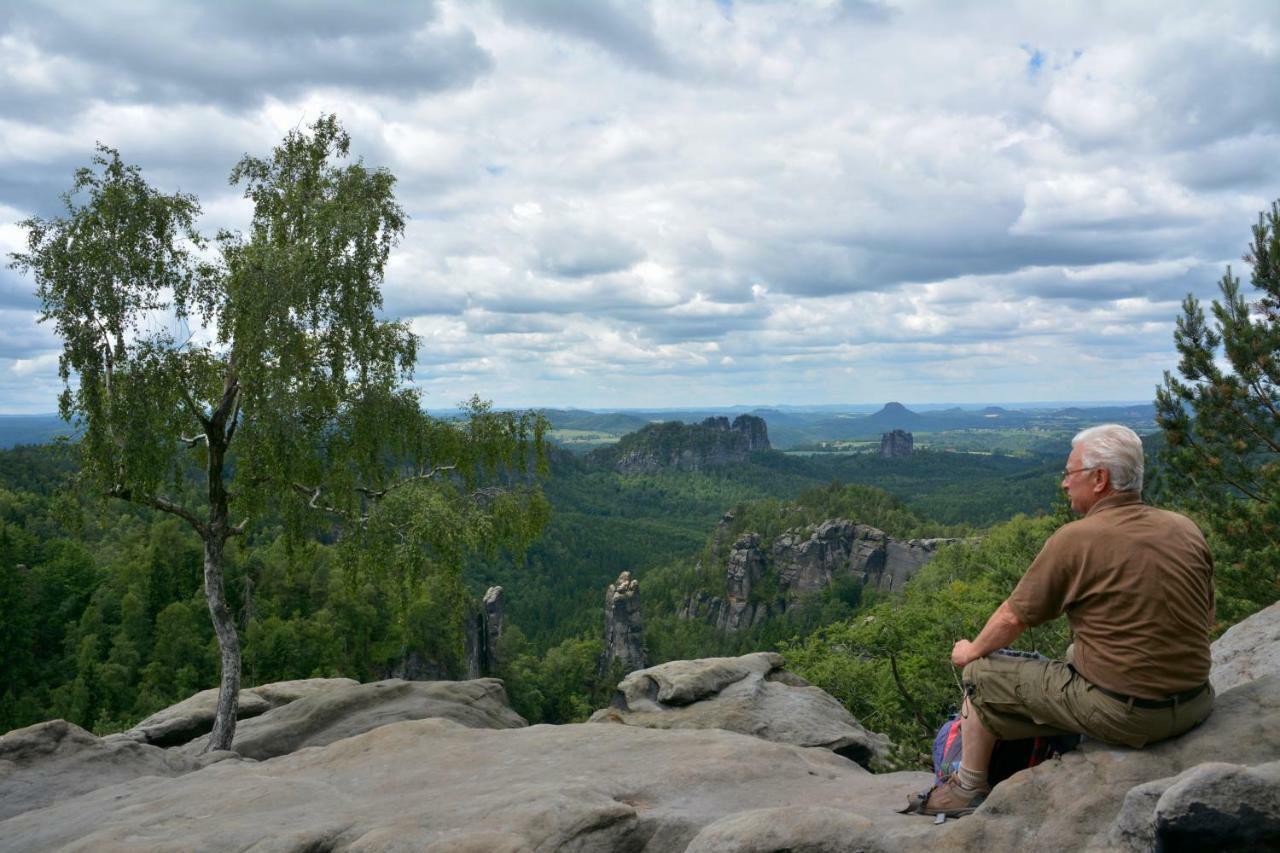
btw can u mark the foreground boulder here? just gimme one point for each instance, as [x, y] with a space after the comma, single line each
[752, 694]
[1247, 651]
[325, 717]
[415, 784]
[57, 760]
[1212, 806]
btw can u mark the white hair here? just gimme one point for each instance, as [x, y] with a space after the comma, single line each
[1116, 448]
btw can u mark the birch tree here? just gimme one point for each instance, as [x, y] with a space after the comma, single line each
[257, 358]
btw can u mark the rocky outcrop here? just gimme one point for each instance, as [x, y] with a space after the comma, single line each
[1247, 651]
[433, 784]
[193, 717]
[483, 631]
[755, 431]
[1212, 806]
[493, 611]
[623, 626]
[715, 442]
[49, 762]
[896, 444]
[53, 761]
[322, 718]
[752, 694]
[806, 561]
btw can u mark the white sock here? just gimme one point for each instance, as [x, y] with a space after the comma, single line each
[971, 780]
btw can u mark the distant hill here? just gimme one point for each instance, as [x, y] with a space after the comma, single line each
[893, 416]
[611, 422]
[897, 416]
[32, 429]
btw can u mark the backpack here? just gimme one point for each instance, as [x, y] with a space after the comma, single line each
[1008, 757]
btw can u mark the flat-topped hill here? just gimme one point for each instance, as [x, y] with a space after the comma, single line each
[714, 442]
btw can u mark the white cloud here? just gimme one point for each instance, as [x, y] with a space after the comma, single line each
[673, 203]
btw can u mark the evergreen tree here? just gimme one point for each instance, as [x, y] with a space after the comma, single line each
[1221, 421]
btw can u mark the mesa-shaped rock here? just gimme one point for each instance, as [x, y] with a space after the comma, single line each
[752, 694]
[713, 443]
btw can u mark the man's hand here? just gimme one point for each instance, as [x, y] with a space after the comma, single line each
[963, 653]
[1001, 630]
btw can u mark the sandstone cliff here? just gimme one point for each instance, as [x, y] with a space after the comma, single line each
[623, 626]
[688, 447]
[805, 561]
[896, 444]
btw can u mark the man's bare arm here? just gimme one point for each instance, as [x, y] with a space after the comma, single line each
[1001, 629]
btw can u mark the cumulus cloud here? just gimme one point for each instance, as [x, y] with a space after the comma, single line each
[654, 203]
[234, 53]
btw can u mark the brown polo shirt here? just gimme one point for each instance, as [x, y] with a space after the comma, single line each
[1136, 584]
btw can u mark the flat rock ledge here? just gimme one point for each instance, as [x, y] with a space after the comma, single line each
[193, 717]
[49, 762]
[753, 695]
[321, 718]
[438, 785]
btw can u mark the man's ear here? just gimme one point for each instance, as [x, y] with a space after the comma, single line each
[1103, 483]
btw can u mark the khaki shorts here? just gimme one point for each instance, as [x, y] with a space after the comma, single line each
[1019, 698]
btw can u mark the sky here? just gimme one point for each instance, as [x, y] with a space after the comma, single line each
[679, 203]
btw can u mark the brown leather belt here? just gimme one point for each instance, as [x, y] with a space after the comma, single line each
[1170, 701]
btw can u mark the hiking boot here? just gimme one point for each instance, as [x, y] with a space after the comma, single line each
[951, 800]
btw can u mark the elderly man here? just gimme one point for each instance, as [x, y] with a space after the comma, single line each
[1136, 584]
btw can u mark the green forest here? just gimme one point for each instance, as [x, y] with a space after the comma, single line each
[275, 504]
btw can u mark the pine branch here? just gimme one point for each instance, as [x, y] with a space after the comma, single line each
[1266, 401]
[1204, 454]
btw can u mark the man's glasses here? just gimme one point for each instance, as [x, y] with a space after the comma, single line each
[1067, 472]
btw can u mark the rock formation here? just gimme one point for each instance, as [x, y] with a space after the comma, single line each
[806, 561]
[623, 626]
[689, 447]
[754, 429]
[322, 718]
[752, 694]
[437, 785]
[45, 763]
[896, 444]
[434, 785]
[193, 717]
[493, 611]
[483, 631]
